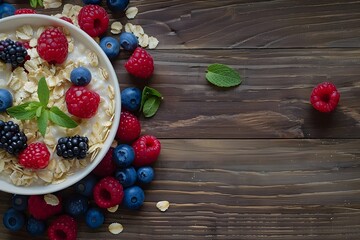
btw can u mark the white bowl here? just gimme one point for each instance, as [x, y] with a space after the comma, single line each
[9, 24]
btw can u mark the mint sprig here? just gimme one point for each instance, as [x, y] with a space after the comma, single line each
[150, 101]
[34, 3]
[222, 75]
[41, 111]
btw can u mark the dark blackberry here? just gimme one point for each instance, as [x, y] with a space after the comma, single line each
[12, 52]
[72, 147]
[11, 138]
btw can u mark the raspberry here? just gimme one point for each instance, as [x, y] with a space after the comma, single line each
[140, 64]
[63, 228]
[82, 102]
[325, 97]
[107, 166]
[25, 11]
[67, 19]
[108, 192]
[129, 128]
[93, 19]
[52, 46]
[40, 210]
[35, 156]
[147, 150]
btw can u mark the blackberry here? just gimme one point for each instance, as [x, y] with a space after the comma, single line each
[11, 138]
[12, 52]
[72, 147]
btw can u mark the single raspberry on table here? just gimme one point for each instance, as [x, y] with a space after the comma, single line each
[94, 20]
[325, 97]
[40, 210]
[147, 150]
[52, 46]
[108, 192]
[129, 128]
[35, 156]
[67, 19]
[63, 228]
[82, 102]
[107, 166]
[25, 11]
[140, 64]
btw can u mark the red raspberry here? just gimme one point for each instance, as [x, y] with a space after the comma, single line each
[35, 156]
[52, 46]
[82, 102]
[147, 150]
[40, 210]
[129, 128]
[325, 97]
[63, 228]
[140, 64]
[25, 11]
[108, 192]
[93, 19]
[67, 19]
[107, 166]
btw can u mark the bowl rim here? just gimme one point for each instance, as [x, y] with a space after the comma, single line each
[9, 187]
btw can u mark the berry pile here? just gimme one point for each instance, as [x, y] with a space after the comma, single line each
[12, 52]
[11, 138]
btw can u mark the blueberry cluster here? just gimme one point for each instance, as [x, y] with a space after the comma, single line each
[72, 147]
[11, 138]
[12, 52]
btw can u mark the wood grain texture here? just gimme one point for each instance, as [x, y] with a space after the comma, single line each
[245, 189]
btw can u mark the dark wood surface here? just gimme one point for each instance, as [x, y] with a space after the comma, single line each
[255, 161]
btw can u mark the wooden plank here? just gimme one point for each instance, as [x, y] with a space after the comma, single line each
[245, 24]
[245, 189]
[272, 102]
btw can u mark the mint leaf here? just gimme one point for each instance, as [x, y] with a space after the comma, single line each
[24, 111]
[38, 111]
[60, 118]
[40, 2]
[222, 75]
[147, 93]
[33, 3]
[42, 120]
[43, 92]
[151, 106]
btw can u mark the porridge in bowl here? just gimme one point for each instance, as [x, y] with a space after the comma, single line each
[89, 108]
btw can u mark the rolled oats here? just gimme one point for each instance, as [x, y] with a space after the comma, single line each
[131, 12]
[163, 205]
[115, 228]
[116, 27]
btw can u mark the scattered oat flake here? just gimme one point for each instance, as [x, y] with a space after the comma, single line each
[129, 27]
[153, 42]
[144, 40]
[51, 199]
[52, 3]
[163, 205]
[113, 209]
[116, 27]
[131, 12]
[116, 228]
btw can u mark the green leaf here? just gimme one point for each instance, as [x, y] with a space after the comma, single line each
[222, 75]
[40, 2]
[33, 3]
[60, 118]
[38, 111]
[43, 92]
[42, 121]
[147, 93]
[151, 106]
[24, 111]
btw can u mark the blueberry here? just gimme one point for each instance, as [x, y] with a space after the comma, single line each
[117, 5]
[13, 220]
[80, 76]
[19, 202]
[6, 99]
[145, 174]
[123, 155]
[94, 218]
[86, 185]
[97, 2]
[35, 227]
[76, 205]
[131, 98]
[128, 41]
[126, 176]
[6, 9]
[133, 197]
[110, 46]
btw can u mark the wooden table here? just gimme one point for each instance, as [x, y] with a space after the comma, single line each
[255, 161]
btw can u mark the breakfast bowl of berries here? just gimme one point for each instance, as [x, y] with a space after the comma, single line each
[59, 104]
